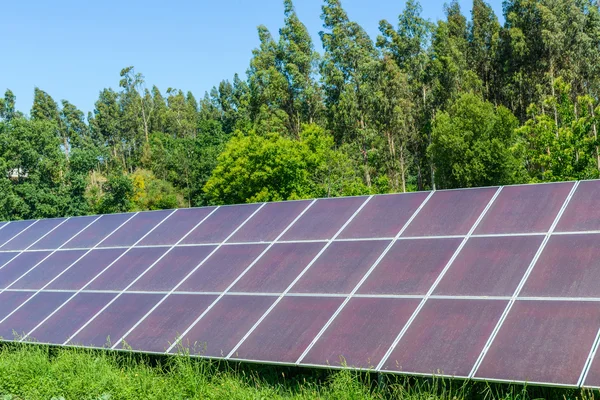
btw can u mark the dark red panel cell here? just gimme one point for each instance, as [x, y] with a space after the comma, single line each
[384, 216]
[446, 337]
[135, 228]
[525, 208]
[222, 268]
[489, 266]
[177, 226]
[31, 313]
[48, 269]
[12, 229]
[171, 269]
[112, 323]
[582, 212]
[543, 342]
[269, 222]
[216, 334]
[85, 269]
[167, 322]
[221, 224]
[410, 267]
[278, 268]
[569, 266]
[450, 212]
[66, 321]
[31, 235]
[11, 300]
[324, 219]
[341, 266]
[288, 329]
[127, 268]
[96, 232]
[63, 233]
[19, 265]
[362, 333]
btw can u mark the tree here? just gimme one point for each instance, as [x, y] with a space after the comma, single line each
[271, 167]
[474, 144]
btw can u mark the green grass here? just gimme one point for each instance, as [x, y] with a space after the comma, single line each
[30, 371]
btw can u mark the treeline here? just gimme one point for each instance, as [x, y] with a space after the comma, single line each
[458, 103]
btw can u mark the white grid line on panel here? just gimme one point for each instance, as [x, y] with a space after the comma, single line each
[162, 300]
[22, 251]
[47, 256]
[522, 283]
[491, 235]
[20, 232]
[210, 307]
[291, 285]
[437, 281]
[97, 275]
[364, 278]
[139, 277]
[56, 277]
[317, 295]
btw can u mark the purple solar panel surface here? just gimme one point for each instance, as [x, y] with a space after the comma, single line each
[176, 226]
[489, 266]
[525, 208]
[19, 265]
[222, 223]
[269, 222]
[568, 267]
[172, 268]
[225, 324]
[115, 320]
[135, 229]
[222, 268]
[278, 268]
[446, 337]
[324, 219]
[13, 229]
[33, 234]
[288, 329]
[514, 301]
[76, 276]
[47, 269]
[63, 233]
[410, 267]
[543, 342]
[97, 232]
[357, 337]
[127, 268]
[167, 322]
[30, 313]
[383, 216]
[61, 325]
[582, 213]
[451, 212]
[340, 267]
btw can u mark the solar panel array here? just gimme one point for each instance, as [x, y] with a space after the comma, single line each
[495, 283]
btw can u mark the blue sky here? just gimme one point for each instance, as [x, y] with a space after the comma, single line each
[73, 49]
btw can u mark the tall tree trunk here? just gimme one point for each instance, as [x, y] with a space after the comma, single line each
[554, 96]
[402, 169]
[595, 137]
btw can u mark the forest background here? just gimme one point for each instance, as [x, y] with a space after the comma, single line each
[462, 102]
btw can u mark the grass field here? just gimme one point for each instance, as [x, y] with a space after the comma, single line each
[41, 372]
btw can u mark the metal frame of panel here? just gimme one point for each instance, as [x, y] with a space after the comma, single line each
[278, 297]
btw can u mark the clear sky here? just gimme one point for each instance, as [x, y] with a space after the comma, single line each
[74, 48]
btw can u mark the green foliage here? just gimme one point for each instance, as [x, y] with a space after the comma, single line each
[150, 193]
[270, 167]
[473, 144]
[118, 193]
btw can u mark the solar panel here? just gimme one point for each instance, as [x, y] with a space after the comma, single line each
[492, 283]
